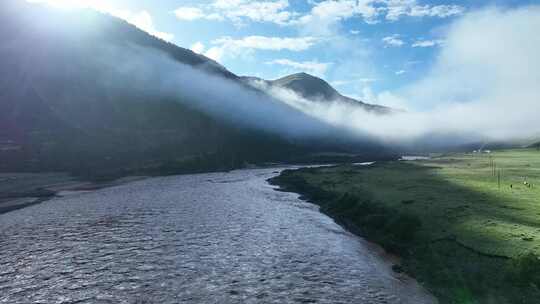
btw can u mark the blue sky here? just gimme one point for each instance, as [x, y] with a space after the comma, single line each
[361, 47]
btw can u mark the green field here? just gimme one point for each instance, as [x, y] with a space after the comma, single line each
[466, 236]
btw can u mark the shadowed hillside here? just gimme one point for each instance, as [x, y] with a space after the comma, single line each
[94, 99]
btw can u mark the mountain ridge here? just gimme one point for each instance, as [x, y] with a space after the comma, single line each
[307, 85]
[83, 103]
[317, 90]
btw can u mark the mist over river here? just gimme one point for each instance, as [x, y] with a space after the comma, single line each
[204, 238]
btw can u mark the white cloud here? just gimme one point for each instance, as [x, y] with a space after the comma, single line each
[312, 67]
[395, 9]
[141, 19]
[427, 43]
[268, 43]
[198, 47]
[354, 32]
[144, 21]
[368, 11]
[258, 11]
[239, 11]
[383, 99]
[400, 72]
[235, 47]
[484, 84]
[323, 14]
[189, 13]
[441, 11]
[215, 53]
[331, 11]
[393, 41]
[334, 10]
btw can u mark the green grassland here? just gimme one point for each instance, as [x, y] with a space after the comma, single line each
[466, 236]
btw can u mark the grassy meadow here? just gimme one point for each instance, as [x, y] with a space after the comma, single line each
[467, 226]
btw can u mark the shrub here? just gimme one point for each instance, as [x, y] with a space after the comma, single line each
[344, 204]
[375, 221]
[404, 227]
[525, 270]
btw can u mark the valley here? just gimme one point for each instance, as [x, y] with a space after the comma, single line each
[246, 151]
[465, 224]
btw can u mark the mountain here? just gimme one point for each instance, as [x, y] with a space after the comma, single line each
[308, 86]
[91, 94]
[316, 89]
[36, 21]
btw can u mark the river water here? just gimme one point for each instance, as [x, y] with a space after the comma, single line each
[204, 238]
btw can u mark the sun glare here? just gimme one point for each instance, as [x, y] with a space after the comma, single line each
[140, 19]
[75, 4]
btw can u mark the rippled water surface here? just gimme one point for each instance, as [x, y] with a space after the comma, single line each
[206, 238]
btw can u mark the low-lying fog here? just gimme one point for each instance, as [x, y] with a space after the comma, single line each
[484, 86]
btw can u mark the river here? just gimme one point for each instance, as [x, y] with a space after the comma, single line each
[203, 238]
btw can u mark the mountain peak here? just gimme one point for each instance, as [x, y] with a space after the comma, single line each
[315, 88]
[308, 86]
[303, 74]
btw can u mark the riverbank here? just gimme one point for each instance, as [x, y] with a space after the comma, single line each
[20, 190]
[466, 225]
[23, 189]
